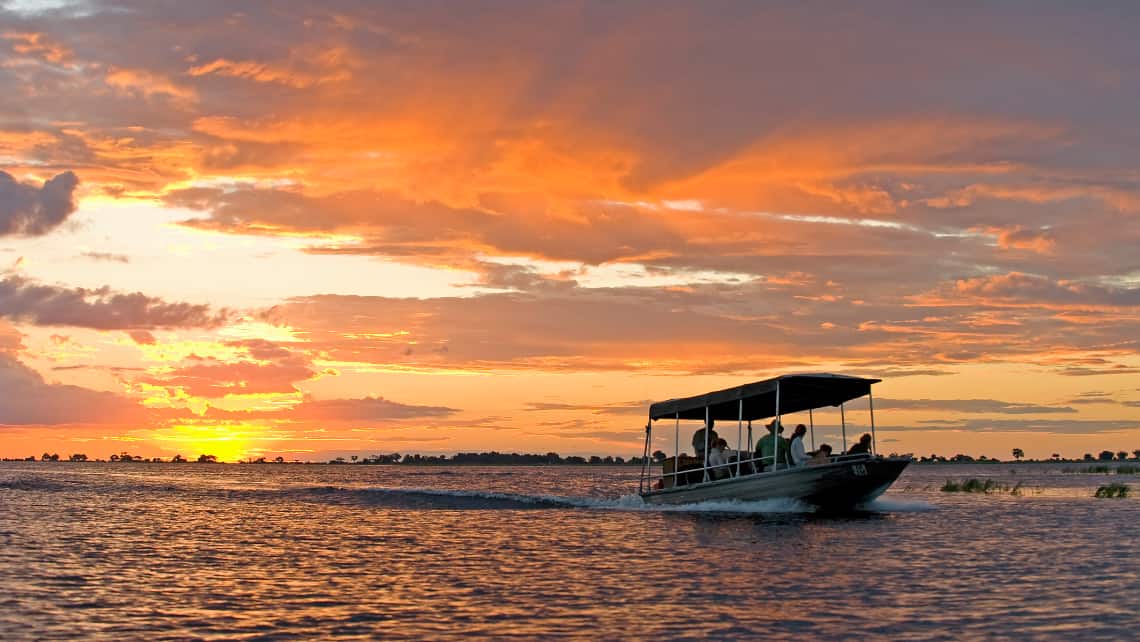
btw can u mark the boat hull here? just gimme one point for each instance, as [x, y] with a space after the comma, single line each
[836, 485]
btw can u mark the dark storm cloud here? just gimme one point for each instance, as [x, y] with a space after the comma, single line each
[35, 211]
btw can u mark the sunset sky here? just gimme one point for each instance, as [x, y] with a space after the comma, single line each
[333, 228]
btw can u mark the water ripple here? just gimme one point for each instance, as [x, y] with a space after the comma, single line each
[372, 552]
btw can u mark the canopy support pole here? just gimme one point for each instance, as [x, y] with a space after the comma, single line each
[739, 435]
[811, 421]
[708, 429]
[843, 423]
[676, 450]
[776, 429]
[646, 471]
[871, 403]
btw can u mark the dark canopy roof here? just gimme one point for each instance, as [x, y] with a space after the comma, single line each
[797, 392]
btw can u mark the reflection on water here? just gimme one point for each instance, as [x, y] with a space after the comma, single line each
[137, 551]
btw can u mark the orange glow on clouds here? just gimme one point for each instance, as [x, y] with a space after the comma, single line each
[419, 228]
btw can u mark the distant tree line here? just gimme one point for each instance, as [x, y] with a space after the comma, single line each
[495, 458]
[1019, 454]
[123, 457]
[487, 459]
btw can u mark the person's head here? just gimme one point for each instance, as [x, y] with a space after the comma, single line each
[801, 430]
[825, 449]
[722, 443]
[865, 439]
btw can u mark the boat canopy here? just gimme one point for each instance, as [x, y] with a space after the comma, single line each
[797, 392]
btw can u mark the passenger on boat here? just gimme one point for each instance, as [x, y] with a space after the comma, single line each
[719, 459]
[821, 456]
[796, 447]
[864, 445]
[773, 444]
[699, 441]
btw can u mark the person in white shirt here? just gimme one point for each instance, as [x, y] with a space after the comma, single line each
[719, 459]
[799, 455]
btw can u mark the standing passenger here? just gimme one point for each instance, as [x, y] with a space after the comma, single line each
[772, 449]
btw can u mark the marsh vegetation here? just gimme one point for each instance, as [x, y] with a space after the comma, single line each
[984, 486]
[1112, 491]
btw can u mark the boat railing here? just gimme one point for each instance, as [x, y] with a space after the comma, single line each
[740, 468]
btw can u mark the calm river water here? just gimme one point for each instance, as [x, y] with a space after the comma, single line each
[274, 552]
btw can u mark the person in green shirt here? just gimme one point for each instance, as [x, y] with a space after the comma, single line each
[773, 443]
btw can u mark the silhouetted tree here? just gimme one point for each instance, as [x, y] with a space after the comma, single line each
[279, 459]
[1105, 455]
[1136, 453]
[178, 459]
[78, 457]
[1056, 456]
[45, 457]
[1088, 457]
[659, 456]
[114, 458]
[1122, 455]
[1018, 454]
[207, 459]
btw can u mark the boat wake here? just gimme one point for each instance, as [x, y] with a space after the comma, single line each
[440, 499]
[895, 505]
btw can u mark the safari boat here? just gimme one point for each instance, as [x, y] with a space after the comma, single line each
[833, 482]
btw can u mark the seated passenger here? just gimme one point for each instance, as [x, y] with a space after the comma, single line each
[719, 460]
[821, 456]
[864, 446]
[699, 441]
[796, 447]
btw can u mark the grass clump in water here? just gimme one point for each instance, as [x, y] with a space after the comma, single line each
[1113, 490]
[977, 486]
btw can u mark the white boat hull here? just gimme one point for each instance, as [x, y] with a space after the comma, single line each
[836, 485]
